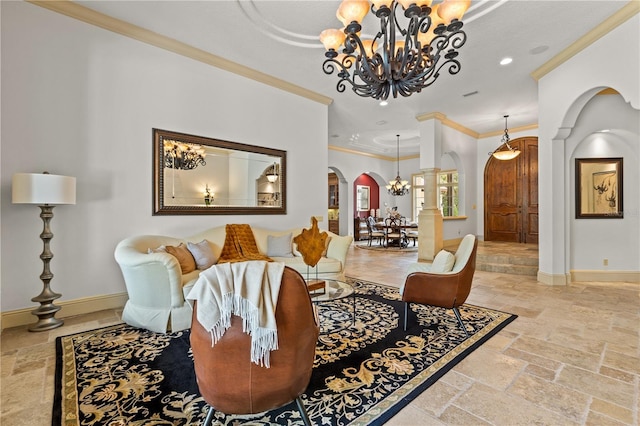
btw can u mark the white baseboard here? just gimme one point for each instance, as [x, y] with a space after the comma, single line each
[70, 308]
[552, 279]
[606, 276]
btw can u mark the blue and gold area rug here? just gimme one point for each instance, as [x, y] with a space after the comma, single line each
[364, 373]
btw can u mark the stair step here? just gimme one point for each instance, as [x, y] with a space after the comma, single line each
[516, 269]
[506, 259]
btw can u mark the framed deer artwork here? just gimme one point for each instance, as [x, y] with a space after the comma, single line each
[599, 188]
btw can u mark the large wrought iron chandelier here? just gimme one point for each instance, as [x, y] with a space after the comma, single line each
[398, 186]
[505, 151]
[398, 63]
[182, 156]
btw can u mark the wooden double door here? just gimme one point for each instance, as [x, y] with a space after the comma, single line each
[511, 195]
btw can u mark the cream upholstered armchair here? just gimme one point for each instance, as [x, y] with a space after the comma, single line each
[445, 283]
[154, 284]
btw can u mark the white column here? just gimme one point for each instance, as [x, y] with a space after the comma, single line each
[430, 240]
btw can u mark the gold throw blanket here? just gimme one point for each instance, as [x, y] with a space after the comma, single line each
[240, 245]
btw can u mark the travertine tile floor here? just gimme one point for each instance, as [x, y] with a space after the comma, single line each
[571, 357]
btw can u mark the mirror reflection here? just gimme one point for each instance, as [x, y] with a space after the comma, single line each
[198, 175]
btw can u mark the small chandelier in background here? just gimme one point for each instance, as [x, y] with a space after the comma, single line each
[182, 156]
[505, 151]
[398, 187]
[375, 68]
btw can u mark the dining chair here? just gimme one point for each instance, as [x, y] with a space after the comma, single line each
[395, 232]
[412, 234]
[374, 233]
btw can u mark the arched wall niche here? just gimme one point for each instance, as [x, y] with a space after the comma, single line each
[374, 194]
[602, 126]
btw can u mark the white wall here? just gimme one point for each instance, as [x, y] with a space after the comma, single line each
[612, 61]
[462, 149]
[81, 101]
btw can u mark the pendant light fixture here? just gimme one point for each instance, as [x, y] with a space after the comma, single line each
[505, 151]
[272, 174]
[398, 187]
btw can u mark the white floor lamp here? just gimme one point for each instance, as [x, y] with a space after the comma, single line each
[46, 190]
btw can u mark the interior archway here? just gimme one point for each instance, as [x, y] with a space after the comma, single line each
[511, 195]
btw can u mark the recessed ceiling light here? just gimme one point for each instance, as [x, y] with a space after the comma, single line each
[506, 61]
[381, 122]
[384, 103]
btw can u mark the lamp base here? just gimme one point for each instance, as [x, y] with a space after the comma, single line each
[45, 324]
[46, 311]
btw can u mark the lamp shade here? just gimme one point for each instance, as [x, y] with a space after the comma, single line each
[453, 9]
[332, 38]
[508, 154]
[43, 188]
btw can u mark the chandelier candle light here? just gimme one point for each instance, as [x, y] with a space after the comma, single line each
[505, 151]
[397, 60]
[181, 156]
[398, 187]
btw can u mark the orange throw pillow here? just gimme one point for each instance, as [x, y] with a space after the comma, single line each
[184, 256]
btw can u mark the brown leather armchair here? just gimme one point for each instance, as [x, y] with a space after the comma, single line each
[444, 289]
[232, 384]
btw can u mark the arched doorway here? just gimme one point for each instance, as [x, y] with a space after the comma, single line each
[511, 195]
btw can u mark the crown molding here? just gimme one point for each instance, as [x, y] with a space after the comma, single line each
[445, 121]
[459, 127]
[431, 115]
[626, 12]
[366, 154]
[127, 29]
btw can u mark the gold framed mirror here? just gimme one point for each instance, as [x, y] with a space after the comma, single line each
[200, 175]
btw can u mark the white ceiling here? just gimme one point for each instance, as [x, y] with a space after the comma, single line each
[280, 38]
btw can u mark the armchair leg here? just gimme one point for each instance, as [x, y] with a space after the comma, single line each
[406, 309]
[303, 412]
[457, 312]
[209, 419]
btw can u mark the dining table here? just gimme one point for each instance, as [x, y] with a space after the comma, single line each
[402, 242]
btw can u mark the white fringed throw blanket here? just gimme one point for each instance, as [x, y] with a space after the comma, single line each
[247, 289]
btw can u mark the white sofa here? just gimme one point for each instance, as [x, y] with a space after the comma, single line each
[157, 288]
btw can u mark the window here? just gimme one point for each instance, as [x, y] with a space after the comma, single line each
[448, 193]
[417, 195]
